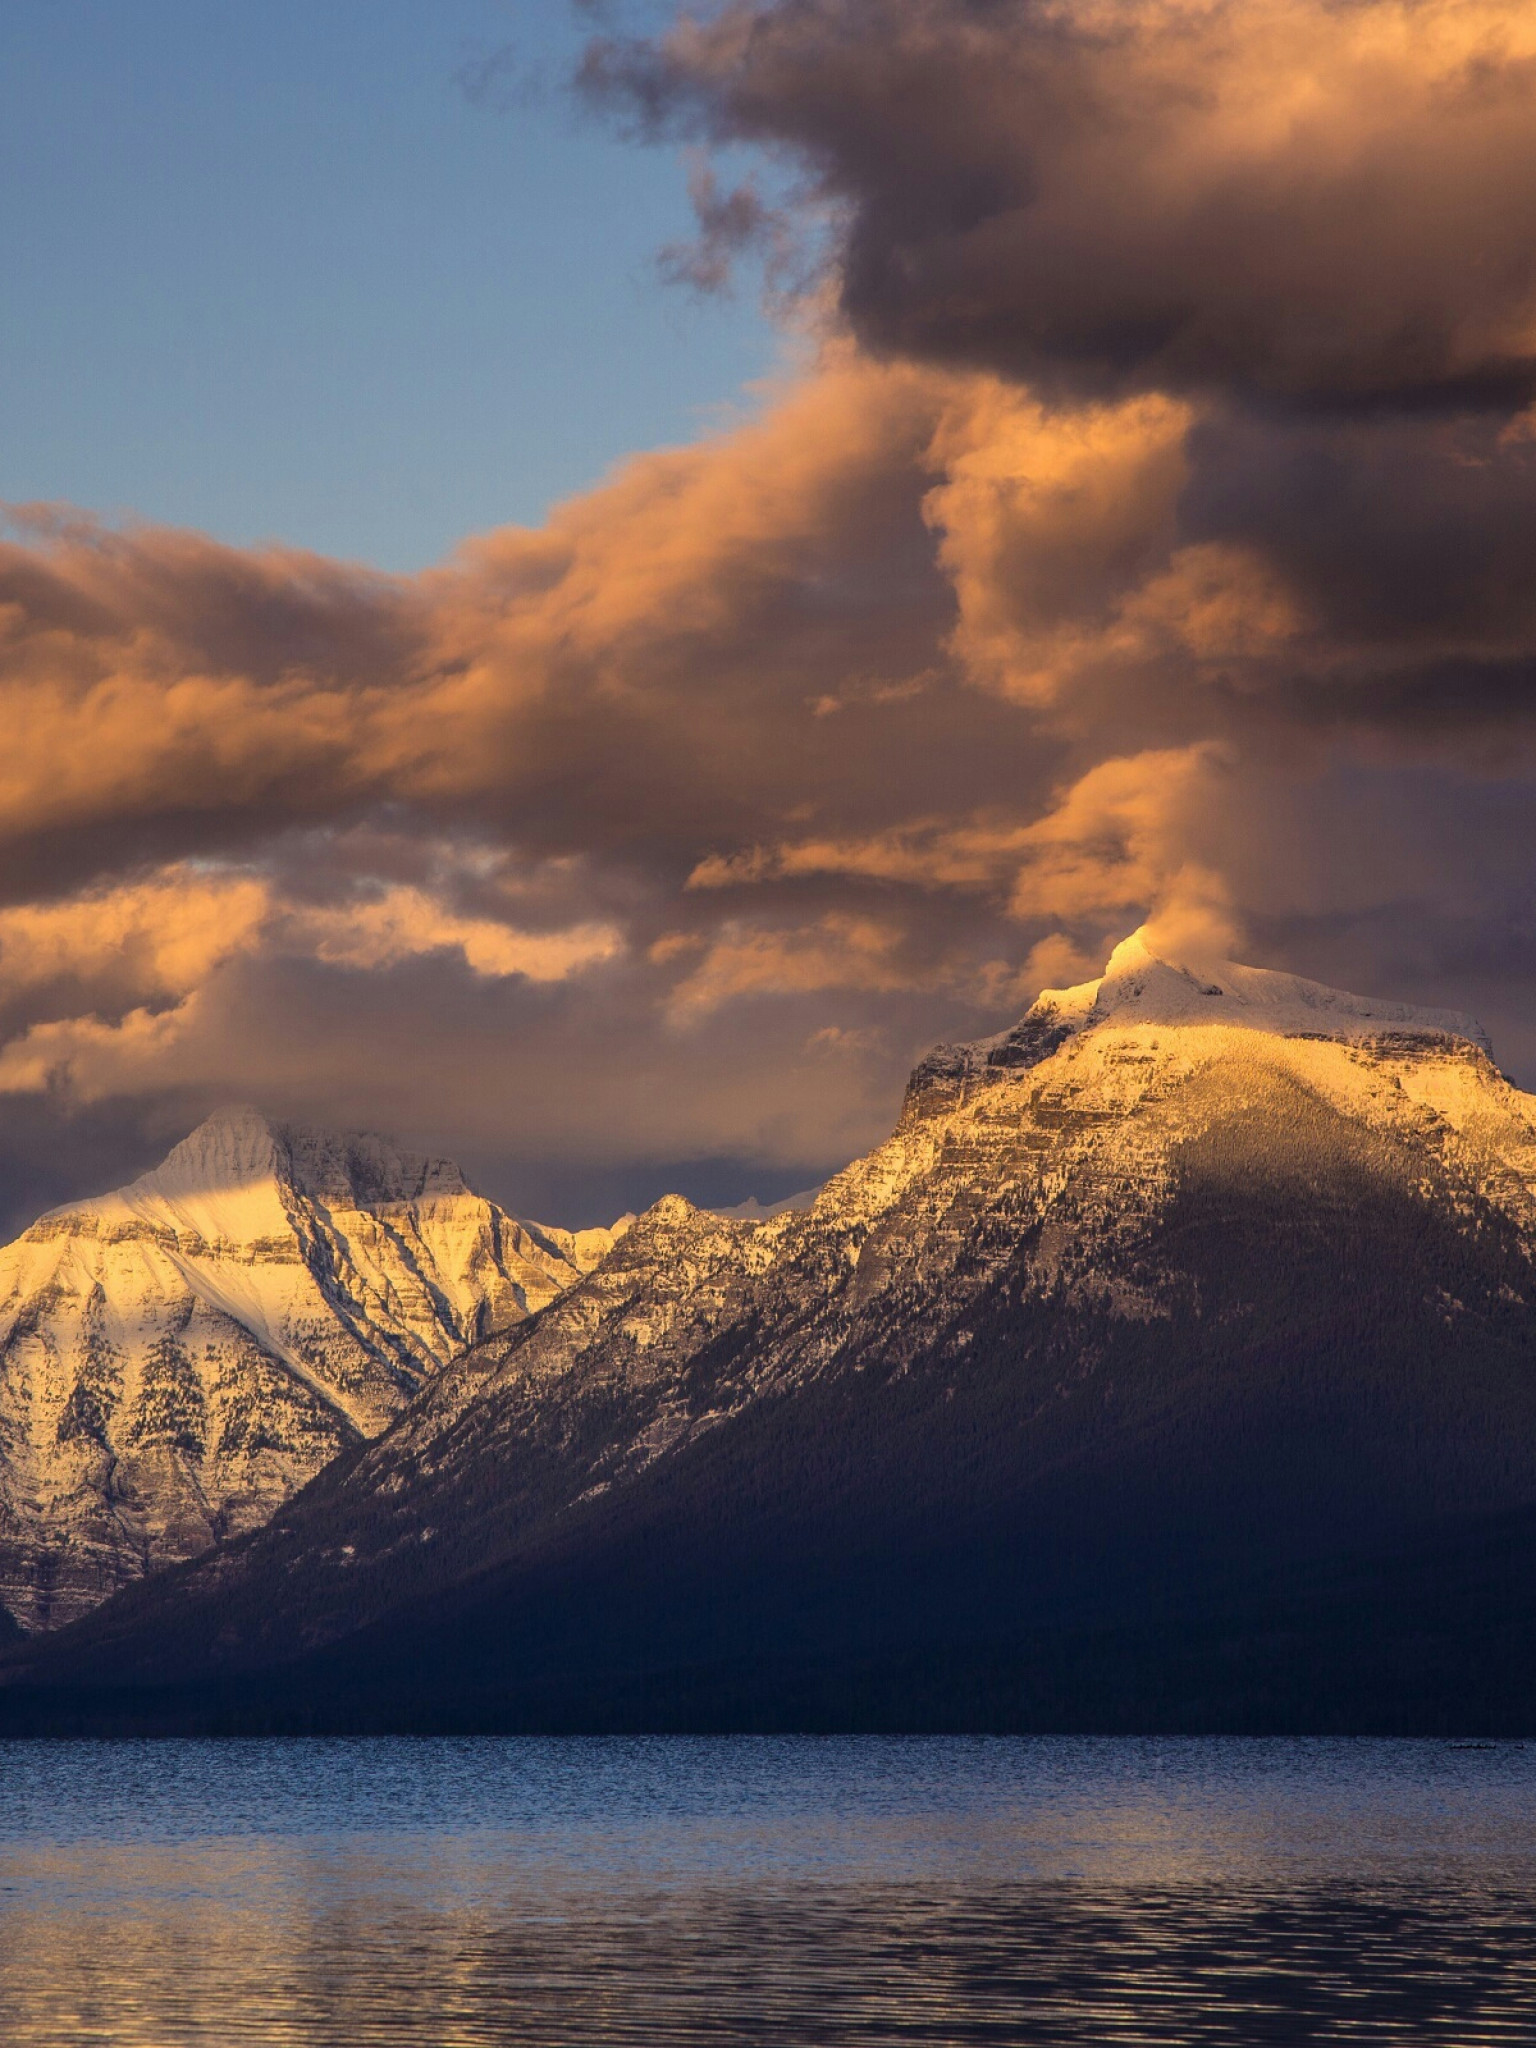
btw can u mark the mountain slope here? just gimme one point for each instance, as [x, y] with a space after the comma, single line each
[179, 1357]
[1191, 1283]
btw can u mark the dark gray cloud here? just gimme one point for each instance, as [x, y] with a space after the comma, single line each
[1397, 534]
[1323, 204]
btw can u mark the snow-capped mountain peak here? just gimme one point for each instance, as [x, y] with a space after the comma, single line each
[234, 1178]
[178, 1356]
[1139, 987]
[221, 1183]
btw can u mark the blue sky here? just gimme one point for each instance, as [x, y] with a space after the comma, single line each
[273, 272]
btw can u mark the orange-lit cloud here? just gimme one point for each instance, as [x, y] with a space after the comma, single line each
[158, 937]
[1147, 532]
[836, 952]
[125, 974]
[1050, 524]
[400, 924]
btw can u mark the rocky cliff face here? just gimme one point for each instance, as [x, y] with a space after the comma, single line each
[179, 1357]
[1189, 1273]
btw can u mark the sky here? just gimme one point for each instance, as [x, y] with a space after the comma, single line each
[586, 583]
[361, 277]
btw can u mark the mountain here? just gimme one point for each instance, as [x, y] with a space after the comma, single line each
[179, 1357]
[1172, 1364]
[754, 1211]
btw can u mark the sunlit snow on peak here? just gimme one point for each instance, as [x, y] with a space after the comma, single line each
[1140, 986]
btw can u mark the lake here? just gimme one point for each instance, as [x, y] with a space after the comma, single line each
[814, 1891]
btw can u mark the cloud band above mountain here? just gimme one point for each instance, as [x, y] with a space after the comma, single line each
[1149, 526]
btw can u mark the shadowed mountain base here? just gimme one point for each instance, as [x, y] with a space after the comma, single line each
[1426, 1642]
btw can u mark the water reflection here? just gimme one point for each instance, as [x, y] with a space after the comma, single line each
[814, 1892]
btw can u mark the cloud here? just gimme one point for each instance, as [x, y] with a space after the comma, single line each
[155, 938]
[1193, 567]
[92, 1058]
[1312, 203]
[1398, 558]
[455, 812]
[1106, 843]
[1046, 521]
[851, 725]
[401, 924]
[1252, 286]
[1120, 837]
[125, 976]
[836, 952]
[730, 223]
[618, 668]
[1190, 579]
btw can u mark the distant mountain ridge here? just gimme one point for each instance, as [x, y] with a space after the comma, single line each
[1199, 1280]
[178, 1357]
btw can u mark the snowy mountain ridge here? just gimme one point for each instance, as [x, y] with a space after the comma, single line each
[179, 1356]
[1138, 987]
[223, 1183]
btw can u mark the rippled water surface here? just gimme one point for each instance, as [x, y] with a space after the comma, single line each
[816, 1891]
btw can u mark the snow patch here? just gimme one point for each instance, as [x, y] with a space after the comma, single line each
[1138, 987]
